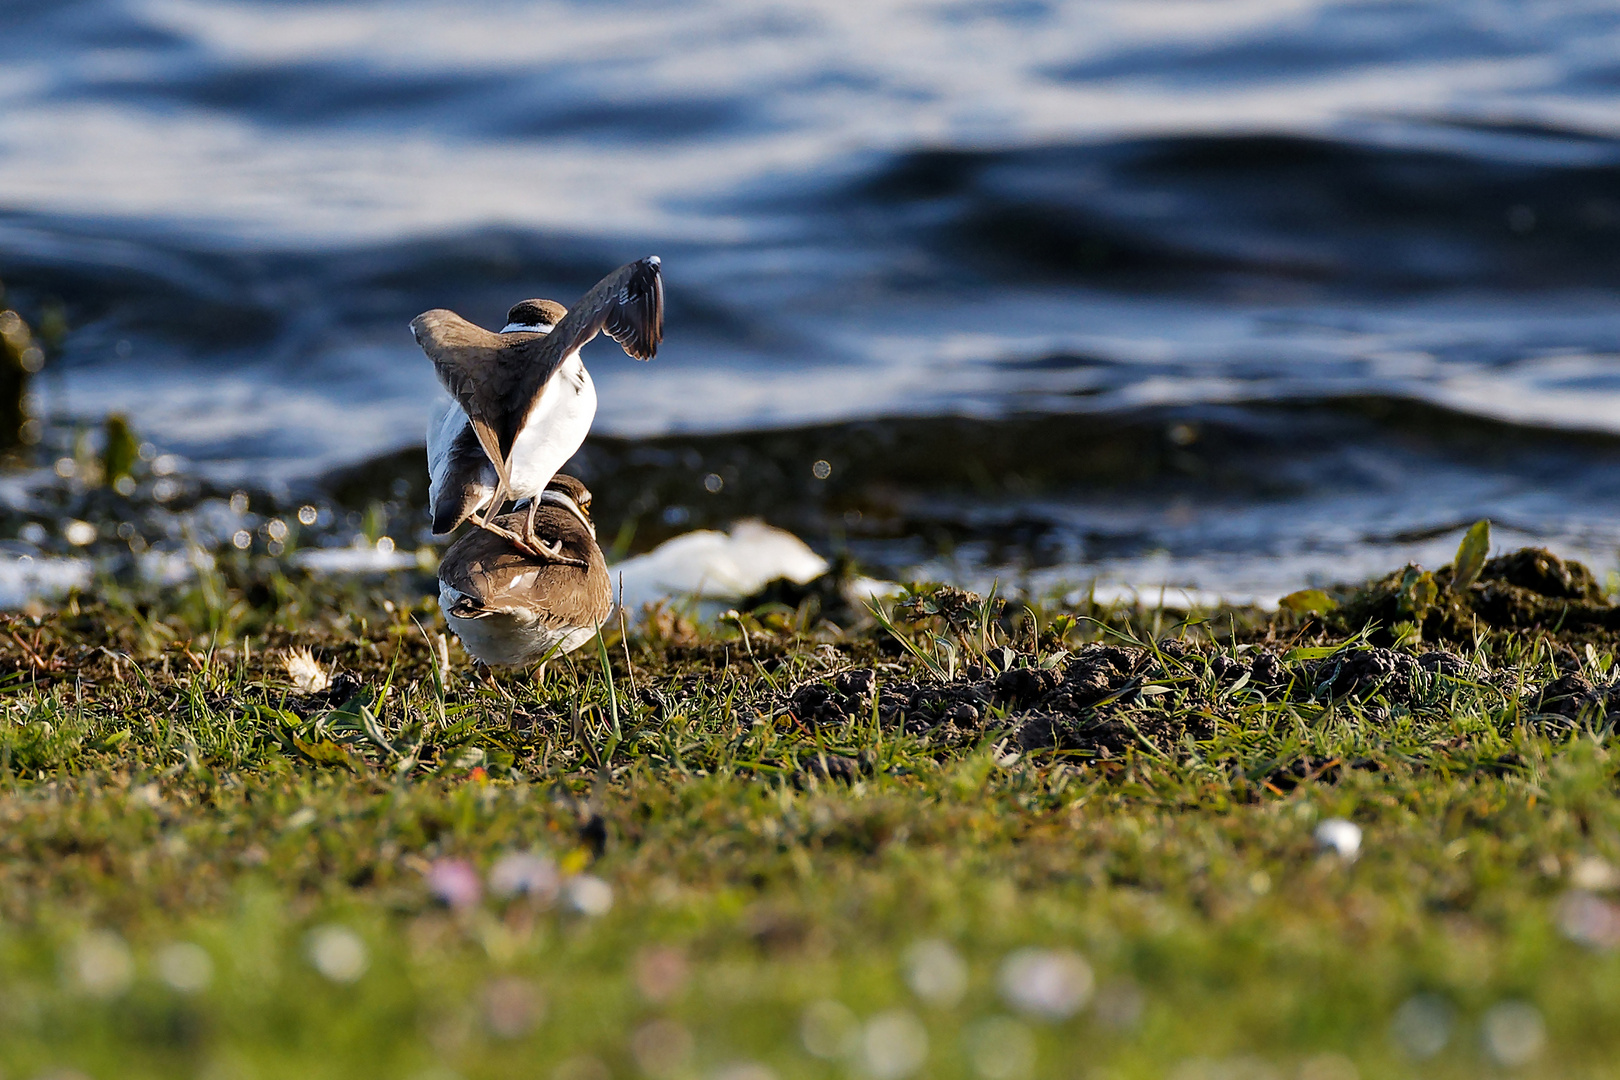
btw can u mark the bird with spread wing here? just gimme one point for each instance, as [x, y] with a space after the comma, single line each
[526, 396]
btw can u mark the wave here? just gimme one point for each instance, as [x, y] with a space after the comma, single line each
[1231, 210]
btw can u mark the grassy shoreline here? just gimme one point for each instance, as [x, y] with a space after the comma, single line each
[975, 843]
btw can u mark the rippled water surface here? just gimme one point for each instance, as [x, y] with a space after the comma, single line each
[1344, 231]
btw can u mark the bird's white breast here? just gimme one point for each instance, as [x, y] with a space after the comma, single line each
[555, 428]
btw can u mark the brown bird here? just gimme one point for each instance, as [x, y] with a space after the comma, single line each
[510, 607]
[526, 394]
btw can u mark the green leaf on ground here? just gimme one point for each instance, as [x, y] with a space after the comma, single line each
[1471, 553]
[1307, 600]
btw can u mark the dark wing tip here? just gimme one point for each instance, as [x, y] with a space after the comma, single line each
[636, 320]
[445, 521]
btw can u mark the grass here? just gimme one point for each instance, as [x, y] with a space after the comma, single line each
[207, 872]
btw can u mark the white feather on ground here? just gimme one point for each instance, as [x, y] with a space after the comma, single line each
[306, 672]
[710, 565]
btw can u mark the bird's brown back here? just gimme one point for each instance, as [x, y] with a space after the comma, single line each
[498, 577]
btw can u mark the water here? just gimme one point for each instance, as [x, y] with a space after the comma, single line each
[1179, 218]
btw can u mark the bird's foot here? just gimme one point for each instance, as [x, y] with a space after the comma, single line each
[530, 544]
[551, 551]
[504, 533]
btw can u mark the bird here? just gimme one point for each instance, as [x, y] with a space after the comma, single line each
[510, 607]
[461, 479]
[526, 394]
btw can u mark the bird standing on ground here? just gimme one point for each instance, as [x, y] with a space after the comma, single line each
[510, 607]
[526, 395]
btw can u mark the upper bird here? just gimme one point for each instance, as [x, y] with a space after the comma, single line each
[461, 478]
[525, 393]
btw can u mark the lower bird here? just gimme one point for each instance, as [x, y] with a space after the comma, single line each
[511, 607]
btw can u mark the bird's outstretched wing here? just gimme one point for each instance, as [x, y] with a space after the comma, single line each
[471, 362]
[479, 368]
[631, 301]
[628, 305]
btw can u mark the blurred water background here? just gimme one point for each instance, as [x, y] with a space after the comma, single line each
[1231, 296]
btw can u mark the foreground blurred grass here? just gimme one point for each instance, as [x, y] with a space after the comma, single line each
[673, 866]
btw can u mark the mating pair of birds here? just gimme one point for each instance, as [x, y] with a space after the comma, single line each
[529, 583]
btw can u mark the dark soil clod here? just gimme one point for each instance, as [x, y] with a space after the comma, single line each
[1545, 574]
[1527, 589]
[1365, 672]
[1572, 699]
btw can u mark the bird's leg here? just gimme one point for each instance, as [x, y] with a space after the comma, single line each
[525, 542]
[532, 546]
[528, 522]
[549, 550]
[508, 535]
[484, 672]
[492, 508]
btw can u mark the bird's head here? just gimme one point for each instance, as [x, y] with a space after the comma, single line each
[533, 316]
[571, 494]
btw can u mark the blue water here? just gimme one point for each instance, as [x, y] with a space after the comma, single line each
[864, 210]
